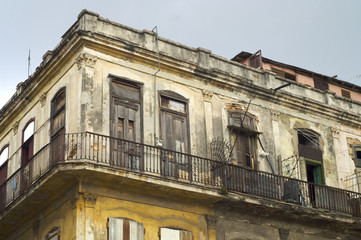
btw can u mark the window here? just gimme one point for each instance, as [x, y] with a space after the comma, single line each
[345, 93]
[357, 155]
[319, 83]
[4, 155]
[284, 74]
[57, 132]
[175, 234]
[27, 148]
[243, 137]
[125, 229]
[53, 234]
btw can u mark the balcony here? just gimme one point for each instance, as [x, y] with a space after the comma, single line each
[165, 164]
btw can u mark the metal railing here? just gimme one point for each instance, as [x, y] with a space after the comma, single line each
[163, 163]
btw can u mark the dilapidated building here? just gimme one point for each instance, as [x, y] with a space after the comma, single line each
[122, 134]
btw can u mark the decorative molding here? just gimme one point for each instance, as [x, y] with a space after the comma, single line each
[86, 60]
[42, 99]
[15, 127]
[211, 221]
[207, 95]
[335, 132]
[275, 115]
[90, 199]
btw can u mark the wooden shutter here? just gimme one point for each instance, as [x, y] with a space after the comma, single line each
[345, 94]
[125, 229]
[320, 84]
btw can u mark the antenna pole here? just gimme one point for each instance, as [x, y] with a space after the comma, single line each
[29, 64]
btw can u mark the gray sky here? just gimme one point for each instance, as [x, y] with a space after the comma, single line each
[323, 36]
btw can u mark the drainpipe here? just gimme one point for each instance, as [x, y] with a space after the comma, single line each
[157, 141]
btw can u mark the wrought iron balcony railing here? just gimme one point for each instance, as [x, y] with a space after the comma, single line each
[163, 163]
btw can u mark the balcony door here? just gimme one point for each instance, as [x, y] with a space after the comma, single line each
[174, 133]
[126, 125]
[58, 127]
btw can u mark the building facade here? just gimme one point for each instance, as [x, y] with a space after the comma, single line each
[121, 134]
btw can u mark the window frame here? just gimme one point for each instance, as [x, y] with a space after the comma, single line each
[1, 152]
[56, 112]
[27, 143]
[4, 165]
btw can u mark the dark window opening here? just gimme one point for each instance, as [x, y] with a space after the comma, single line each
[357, 155]
[314, 173]
[308, 140]
[309, 145]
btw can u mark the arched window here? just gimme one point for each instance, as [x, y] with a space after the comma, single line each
[4, 156]
[57, 132]
[58, 113]
[27, 148]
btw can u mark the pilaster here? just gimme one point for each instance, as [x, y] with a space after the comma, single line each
[86, 63]
[211, 226]
[83, 215]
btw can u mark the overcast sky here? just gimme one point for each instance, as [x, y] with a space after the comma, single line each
[323, 36]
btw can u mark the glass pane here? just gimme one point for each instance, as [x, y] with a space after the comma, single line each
[173, 105]
[4, 155]
[177, 106]
[29, 131]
